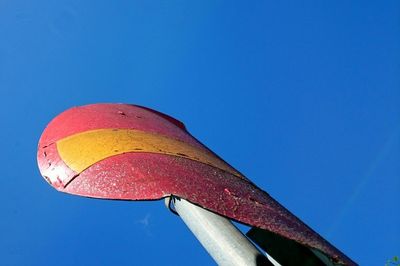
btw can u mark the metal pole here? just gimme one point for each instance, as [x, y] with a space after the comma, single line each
[222, 240]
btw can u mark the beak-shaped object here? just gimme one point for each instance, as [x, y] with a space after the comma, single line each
[128, 152]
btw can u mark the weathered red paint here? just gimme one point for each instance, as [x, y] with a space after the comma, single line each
[149, 176]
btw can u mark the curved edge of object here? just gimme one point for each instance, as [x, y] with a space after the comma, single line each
[151, 176]
[145, 176]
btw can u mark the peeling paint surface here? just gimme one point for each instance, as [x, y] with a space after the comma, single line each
[148, 175]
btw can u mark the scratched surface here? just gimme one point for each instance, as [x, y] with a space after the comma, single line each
[148, 175]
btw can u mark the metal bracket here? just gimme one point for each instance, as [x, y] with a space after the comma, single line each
[169, 203]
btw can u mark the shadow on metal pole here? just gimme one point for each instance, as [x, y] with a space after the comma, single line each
[287, 252]
[222, 240]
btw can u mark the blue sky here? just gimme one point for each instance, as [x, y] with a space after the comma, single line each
[302, 97]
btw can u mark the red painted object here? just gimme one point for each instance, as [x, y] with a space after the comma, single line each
[142, 175]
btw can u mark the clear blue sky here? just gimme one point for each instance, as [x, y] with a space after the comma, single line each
[303, 98]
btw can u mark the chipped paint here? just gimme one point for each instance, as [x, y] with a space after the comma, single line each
[149, 175]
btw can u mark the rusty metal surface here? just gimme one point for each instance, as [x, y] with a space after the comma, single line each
[150, 175]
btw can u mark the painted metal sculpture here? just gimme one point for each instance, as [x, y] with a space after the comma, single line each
[128, 152]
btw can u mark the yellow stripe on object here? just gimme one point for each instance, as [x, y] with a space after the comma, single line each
[82, 150]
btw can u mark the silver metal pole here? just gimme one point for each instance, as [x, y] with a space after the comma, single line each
[222, 240]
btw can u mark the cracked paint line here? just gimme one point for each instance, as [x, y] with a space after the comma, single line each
[84, 149]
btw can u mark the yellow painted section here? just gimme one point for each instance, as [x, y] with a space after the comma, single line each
[82, 150]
